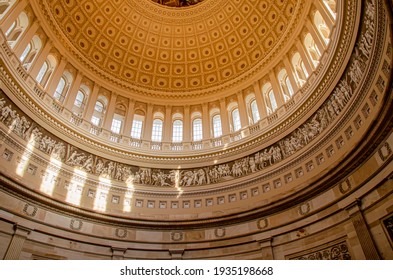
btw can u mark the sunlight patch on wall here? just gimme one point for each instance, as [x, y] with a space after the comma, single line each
[50, 176]
[177, 183]
[101, 199]
[127, 204]
[75, 187]
[24, 161]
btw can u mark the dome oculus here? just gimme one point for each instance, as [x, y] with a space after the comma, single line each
[177, 3]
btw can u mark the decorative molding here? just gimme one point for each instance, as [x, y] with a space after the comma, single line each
[30, 210]
[121, 233]
[177, 236]
[345, 186]
[335, 252]
[262, 223]
[304, 209]
[385, 151]
[76, 224]
[220, 232]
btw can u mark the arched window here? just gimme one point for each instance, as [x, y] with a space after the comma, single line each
[30, 52]
[217, 128]
[331, 6]
[303, 67]
[42, 72]
[177, 131]
[137, 125]
[25, 53]
[321, 26]
[5, 6]
[99, 108]
[60, 89]
[46, 70]
[300, 69]
[197, 129]
[156, 135]
[95, 120]
[118, 116]
[236, 120]
[254, 111]
[10, 29]
[116, 125]
[285, 84]
[80, 97]
[312, 49]
[17, 28]
[272, 100]
[289, 86]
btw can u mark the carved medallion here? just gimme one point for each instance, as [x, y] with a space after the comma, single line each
[30, 210]
[177, 236]
[304, 209]
[219, 232]
[76, 224]
[336, 252]
[262, 223]
[121, 232]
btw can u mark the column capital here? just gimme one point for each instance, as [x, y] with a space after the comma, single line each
[118, 253]
[354, 206]
[22, 230]
[176, 254]
[266, 242]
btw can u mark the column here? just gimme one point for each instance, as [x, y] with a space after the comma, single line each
[26, 38]
[205, 121]
[260, 100]
[242, 109]
[187, 124]
[73, 91]
[176, 254]
[266, 248]
[56, 76]
[362, 232]
[12, 15]
[316, 36]
[276, 89]
[89, 110]
[224, 117]
[17, 241]
[326, 15]
[148, 123]
[118, 253]
[110, 112]
[290, 71]
[305, 57]
[167, 124]
[129, 118]
[42, 56]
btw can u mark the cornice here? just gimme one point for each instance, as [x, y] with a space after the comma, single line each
[147, 93]
[246, 146]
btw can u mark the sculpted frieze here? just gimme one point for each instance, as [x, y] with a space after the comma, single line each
[56, 148]
[336, 252]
